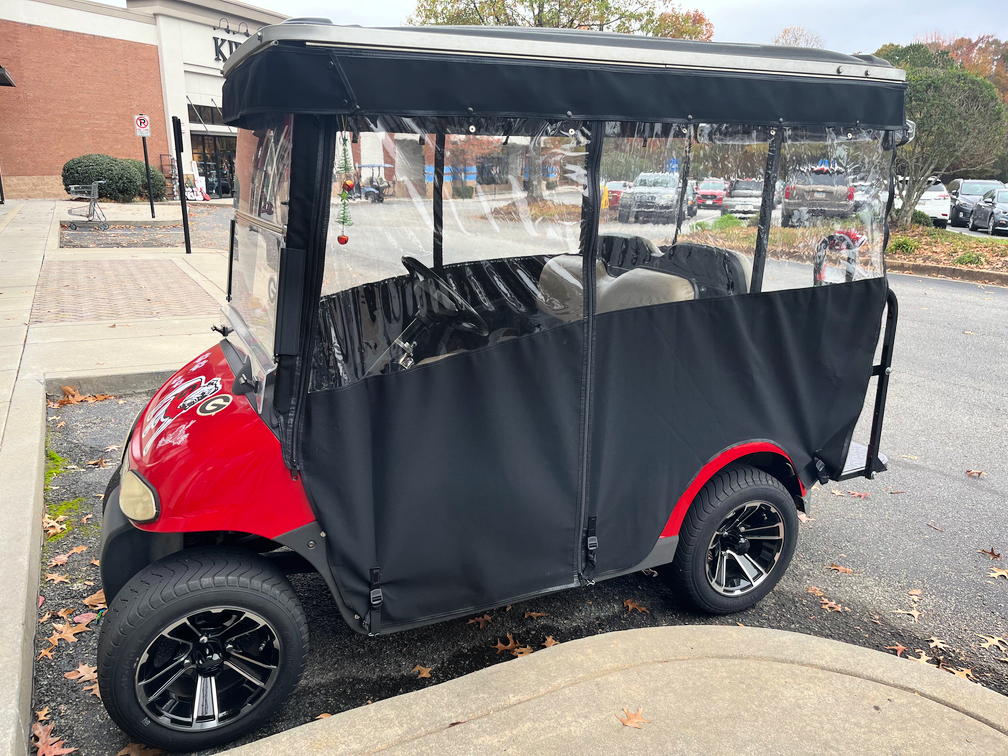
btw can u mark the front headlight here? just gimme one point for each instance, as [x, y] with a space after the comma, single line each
[137, 499]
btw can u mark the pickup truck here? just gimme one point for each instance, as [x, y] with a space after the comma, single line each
[819, 192]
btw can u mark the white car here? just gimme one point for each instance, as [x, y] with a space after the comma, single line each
[935, 202]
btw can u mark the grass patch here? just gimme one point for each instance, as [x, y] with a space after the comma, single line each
[725, 221]
[973, 259]
[903, 245]
[69, 509]
[54, 465]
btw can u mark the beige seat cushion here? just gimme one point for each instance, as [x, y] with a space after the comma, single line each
[641, 287]
[746, 263]
[561, 292]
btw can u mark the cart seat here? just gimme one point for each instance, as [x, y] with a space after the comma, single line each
[562, 290]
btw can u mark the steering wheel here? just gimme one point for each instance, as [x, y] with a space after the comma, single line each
[438, 294]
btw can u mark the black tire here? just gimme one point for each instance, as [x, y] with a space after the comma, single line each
[171, 592]
[941, 224]
[623, 217]
[725, 493]
[971, 225]
[990, 225]
[785, 220]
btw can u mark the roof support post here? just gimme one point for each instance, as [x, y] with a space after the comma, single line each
[766, 208]
[439, 155]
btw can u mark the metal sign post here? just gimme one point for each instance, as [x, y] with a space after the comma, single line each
[142, 124]
[177, 128]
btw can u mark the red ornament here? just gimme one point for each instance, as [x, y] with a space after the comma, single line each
[342, 238]
[348, 185]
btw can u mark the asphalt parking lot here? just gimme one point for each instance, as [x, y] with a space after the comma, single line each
[917, 528]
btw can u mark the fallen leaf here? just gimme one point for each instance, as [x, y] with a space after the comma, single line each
[815, 591]
[64, 613]
[61, 424]
[93, 690]
[85, 519]
[914, 592]
[522, 651]
[840, 569]
[963, 672]
[58, 560]
[46, 744]
[96, 563]
[78, 549]
[859, 494]
[831, 606]
[837, 492]
[111, 448]
[908, 456]
[421, 671]
[975, 474]
[85, 617]
[802, 517]
[483, 621]
[899, 649]
[630, 604]
[997, 572]
[45, 617]
[991, 553]
[54, 578]
[100, 462]
[89, 583]
[40, 600]
[96, 600]
[969, 333]
[549, 642]
[910, 612]
[325, 715]
[42, 713]
[83, 673]
[934, 642]
[46, 652]
[511, 644]
[922, 659]
[535, 615]
[992, 640]
[69, 632]
[632, 719]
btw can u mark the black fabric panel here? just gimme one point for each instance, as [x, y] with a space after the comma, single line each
[464, 469]
[676, 384]
[290, 79]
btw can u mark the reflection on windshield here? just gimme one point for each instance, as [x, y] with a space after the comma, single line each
[978, 187]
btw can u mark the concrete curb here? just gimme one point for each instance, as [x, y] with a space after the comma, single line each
[21, 501]
[108, 383]
[152, 223]
[402, 723]
[948, 271]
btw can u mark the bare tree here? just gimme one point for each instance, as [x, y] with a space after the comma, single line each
[799, 36]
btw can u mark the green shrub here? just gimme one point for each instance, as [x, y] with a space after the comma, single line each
[903, 245]
[87, 169]
[699, 226]
[725, 221]
[462, 191]
[970, 258]
[920, 218]
[157, 178]
[122, 184]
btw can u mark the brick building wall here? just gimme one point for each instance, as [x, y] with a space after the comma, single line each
[75, 94]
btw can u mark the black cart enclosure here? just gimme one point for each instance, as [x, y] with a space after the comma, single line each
[495, 382]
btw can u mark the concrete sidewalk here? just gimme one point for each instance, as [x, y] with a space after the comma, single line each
[703, 689]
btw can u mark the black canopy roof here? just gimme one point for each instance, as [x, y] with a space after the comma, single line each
[479, 72]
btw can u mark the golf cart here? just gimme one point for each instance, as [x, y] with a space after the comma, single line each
[377, 186]
[462, 400]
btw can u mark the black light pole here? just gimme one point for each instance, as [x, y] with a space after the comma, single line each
[150, 189]
[177, 127]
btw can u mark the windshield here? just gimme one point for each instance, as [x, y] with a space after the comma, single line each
[665, 182]
[979, 187]
[262, 183]
[714, 185]
[823, 179]
[936, 188]
[747, 185]
[1002, 196]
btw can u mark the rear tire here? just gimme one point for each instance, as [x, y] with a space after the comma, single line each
[971, 226]
[941, 224]
[766, 508]
[211, 620]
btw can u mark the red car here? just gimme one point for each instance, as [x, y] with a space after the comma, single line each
[711, 193]
[615, 190]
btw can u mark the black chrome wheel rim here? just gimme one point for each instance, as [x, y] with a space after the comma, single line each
[208, 669]
[745, 548]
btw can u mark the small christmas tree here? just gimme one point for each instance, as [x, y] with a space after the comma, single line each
[346, 161]
[346, 168]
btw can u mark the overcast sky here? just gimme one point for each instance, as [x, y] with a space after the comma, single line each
[845, 25]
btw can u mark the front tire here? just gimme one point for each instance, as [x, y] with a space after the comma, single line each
[736, 541]
[199, 648]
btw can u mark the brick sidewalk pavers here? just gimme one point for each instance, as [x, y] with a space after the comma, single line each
[71, 291]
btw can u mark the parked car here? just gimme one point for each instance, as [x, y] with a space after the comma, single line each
[743, 198]
[820, 191]
[653, 198]
[935, 202]
[711, 192]
[991, 212]
[965, 193]
[615, 189]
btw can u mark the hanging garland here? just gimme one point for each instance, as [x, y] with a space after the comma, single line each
[346, 168]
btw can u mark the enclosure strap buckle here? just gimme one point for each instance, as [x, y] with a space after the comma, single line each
[374, 616]
[592, 542]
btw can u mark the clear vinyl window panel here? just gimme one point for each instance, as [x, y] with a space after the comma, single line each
[828, 224]
[262, 170]
[396, 295]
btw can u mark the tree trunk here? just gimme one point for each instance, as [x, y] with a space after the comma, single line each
[535, 188]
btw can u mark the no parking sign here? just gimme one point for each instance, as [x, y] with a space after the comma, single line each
[142, 125]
